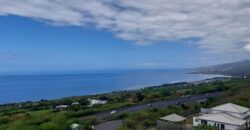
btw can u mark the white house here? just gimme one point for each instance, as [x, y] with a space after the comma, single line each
[62, 106]
[95, 101]
[76, 127]
[228, 116]
[75, 104]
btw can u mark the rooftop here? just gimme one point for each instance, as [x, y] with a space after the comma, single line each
[173, 118]
[74, 125]
[230, 107]
[222, 117]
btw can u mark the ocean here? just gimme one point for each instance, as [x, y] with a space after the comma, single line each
[18, 88]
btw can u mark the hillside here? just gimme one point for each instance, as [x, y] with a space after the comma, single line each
[241, 68]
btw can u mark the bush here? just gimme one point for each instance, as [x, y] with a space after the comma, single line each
[205, 127]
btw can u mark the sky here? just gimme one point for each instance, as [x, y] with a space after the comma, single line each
[64, 35]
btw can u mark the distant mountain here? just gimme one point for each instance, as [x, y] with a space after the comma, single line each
[241, 68]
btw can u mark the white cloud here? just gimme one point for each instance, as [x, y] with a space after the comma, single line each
[247, 47]
[220, 25]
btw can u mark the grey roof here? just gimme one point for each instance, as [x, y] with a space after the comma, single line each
[222, 117]
[230, 107]
[173, 118]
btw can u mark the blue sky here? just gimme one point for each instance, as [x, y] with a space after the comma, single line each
[37, 40]
[33, 45]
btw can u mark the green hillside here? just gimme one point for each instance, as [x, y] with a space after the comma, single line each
[241, 68]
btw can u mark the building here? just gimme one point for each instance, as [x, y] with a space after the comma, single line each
[76, 127]
[174, 118]
[227, 116]
[222, 121]
[75, 104]
[172, 121]
[95, 102]
[62, 106]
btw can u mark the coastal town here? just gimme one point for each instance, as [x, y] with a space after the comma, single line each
[124, 64]
[227, 116]
[187, 106]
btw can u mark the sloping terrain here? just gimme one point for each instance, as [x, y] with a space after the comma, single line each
[241, 68]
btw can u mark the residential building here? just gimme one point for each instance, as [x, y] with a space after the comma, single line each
[227, 116]
[95, 102]
[62, 106]
[75, 126]
[172, 121]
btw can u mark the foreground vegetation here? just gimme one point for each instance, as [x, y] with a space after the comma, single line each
[237, 91]
[43, 115]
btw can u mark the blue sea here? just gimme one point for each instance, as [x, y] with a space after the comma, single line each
[17, 88]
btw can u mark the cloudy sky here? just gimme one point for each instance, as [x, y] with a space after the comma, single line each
[122, 34]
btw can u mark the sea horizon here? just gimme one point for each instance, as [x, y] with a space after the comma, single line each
[72, 72]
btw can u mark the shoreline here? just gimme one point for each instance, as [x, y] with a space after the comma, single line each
[213, 79]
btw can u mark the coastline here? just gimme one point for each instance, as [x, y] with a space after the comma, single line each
[21, 88]
[178, 83]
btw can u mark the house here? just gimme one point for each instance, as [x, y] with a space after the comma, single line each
[174, 118]
[75, 103]
[62, 106]
[227, 116]
[75, 126]
[95, 102]
[222, 121]
[172, 121]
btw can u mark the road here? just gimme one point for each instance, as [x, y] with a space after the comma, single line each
[160, 104]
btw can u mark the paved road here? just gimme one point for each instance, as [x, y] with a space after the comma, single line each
[110, 125]
[160, 104]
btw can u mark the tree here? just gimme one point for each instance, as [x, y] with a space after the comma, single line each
[139, 97]
[165, 93]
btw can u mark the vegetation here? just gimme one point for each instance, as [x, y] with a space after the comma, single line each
[236, 91]
[205, 127]
[43, 115]
[240, 69]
